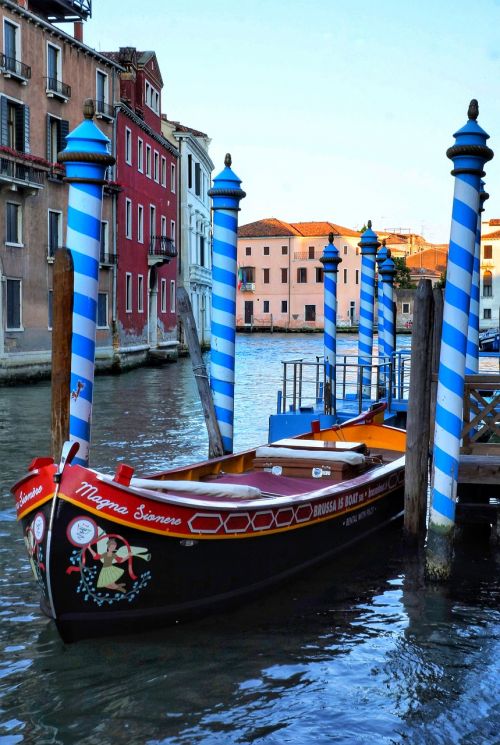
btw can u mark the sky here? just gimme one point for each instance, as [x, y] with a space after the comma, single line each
[331, 110]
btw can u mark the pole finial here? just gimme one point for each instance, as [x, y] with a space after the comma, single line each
[227, 160]
[330, 238]
[473, 111]
[370, 224]
[383, 242]
[88, 108]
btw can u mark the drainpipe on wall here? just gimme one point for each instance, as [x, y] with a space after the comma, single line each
[114, 211]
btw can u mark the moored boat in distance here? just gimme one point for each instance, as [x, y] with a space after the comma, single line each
[489, 341]
[119, 553]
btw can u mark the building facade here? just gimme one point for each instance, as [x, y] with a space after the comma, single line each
[194, 255]
[489, 291]
[280, 276]
[146, 216]
[45, 76]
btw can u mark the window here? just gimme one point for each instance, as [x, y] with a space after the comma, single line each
[140, 223]
[345, 250]
[301, 275]
[54, 232]
[284, 306]
[140, 293]
[14, 320]
[357, 250]
[284, 250]
[163, 296]
[197, 179]
[57, 129]
[102, 98]
[128, 146]
[15, 125]
[104, 241]
[102, 310]
[284, 276]
[319, 274]
[310, 312]
[311, 252]
[152, 98]
[140, 155]
[487, 314]
[248, 251]
[487, 284]
[190, 171]
[54, 72]
[266, 250]
[357, 276]
[148, 161]
[265, 273]
[50, 306]
[152, 220]
[488, 252]
[14, 228]
[156, 166]
[265, 306]
[405, 308]
[163, 223]
[345, 276]
[172, 229]
[163, 171]
[172, 295]
[12, 51]
[202, 250]
[172, 178]
[128, 218]
[128, 292]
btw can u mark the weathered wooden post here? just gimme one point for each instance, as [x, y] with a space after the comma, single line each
[86, 158]
[469, 154]
[62, 311]
[330, 261]
[226, 195]
[437, 331]
[418, 416]
[368, 245]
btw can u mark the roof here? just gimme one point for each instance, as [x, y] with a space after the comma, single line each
[494, 222]
[492, 236]
[272, 227]
[184, 128]
[430, 259]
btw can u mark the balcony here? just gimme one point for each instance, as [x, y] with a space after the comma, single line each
[13, 68]
[161, 250]
[20, 176]
[58, 11]
[107, 259]
[104, 110]
[247, 287]
[57, 89]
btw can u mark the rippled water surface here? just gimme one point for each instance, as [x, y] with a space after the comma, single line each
[357, 651]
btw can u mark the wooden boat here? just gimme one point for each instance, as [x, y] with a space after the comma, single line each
[118, 553]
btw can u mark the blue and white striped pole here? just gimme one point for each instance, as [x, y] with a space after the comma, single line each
[469, 154]
[226, 195]
[86, 158]
[387, 271]
[382, 254]
[368, 244]
[330, 261]
[472, 356]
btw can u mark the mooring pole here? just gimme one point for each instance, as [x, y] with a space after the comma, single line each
[330, 261]
[382, 254]
[226, 195]
[418, 421]
[368, 245]
[62, 311]
[86, 158]
[472, 356]
[387, 271]
[469, 154]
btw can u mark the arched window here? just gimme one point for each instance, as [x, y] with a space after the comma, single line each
[487, 284]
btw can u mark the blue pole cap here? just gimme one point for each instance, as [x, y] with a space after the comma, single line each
[470, 152]
[86, 154]
[330, 258]
[383, 253]
[483, 196]
[226, 192]
[369, 241]
[387, 270]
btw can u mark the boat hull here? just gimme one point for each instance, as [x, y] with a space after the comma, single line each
[111, 560]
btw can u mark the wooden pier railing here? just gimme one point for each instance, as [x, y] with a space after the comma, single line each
[480, 452]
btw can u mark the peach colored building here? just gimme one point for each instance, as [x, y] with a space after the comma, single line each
[280, 275]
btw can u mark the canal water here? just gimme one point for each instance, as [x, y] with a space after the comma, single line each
[359, 650]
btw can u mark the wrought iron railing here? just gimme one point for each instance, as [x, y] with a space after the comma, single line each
[15, 67]
[160, 245]
[58, 87]
[107, 258]
[20, 172]
[102, 108]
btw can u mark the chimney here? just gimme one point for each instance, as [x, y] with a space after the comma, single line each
[78, 30]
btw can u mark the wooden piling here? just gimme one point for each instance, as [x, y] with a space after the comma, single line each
[418, 416]
[215, 447]
[62, 313]
[437, 331]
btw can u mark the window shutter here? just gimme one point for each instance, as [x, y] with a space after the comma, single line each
[63, 133]
[4, 128]
[49, 154]
[25, 123]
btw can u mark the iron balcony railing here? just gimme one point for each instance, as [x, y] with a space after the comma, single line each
[58, 88]
[12, 66]
[103, 109]
[306, 255]
[160, 245]
[247, 287]
[9, 169]
[107, 258]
